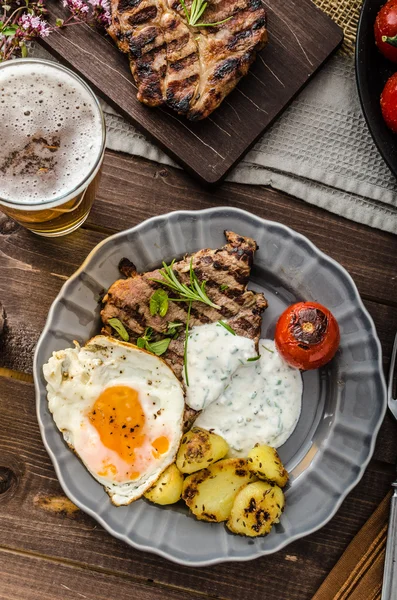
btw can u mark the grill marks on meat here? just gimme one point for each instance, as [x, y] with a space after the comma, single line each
[128, 299]
[189, 69]
[227, 53]
[162, 51]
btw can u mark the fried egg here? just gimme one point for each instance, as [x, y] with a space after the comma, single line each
[120, 409]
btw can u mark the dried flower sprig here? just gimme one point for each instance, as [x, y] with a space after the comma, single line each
[20, 22]
[93, 12]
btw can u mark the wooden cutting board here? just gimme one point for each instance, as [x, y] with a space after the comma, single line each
[301, 38]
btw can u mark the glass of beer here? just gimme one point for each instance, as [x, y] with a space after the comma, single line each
[52, 142]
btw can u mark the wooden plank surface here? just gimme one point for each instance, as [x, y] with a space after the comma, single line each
[301, 39]
[45, 541]
[71, 582]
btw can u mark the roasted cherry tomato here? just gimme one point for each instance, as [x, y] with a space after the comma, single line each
[386, 30]
[307, 335]
[388, 103]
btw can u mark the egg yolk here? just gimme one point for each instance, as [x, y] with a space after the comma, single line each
[119, 419]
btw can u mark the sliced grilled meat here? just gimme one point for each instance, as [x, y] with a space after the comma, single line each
[227, 51]
[189, 69]
[226, 272]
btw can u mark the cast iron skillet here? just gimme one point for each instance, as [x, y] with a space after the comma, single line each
[373, 70]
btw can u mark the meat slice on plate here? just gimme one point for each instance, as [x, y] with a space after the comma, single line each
[226, 271]
[190, 69]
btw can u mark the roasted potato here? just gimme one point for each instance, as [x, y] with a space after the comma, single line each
[210, 493]
[168, 488]
[256, 508]
[265, 462]
[199, 449]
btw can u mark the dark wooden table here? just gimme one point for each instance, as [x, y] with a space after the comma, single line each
[49, 549]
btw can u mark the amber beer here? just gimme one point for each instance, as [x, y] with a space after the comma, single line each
[52, 140]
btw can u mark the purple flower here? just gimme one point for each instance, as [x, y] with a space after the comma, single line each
[33, 26]
[78, 8]
[101, 11]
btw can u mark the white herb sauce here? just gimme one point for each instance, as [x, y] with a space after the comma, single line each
[261, 404]
[213, 355]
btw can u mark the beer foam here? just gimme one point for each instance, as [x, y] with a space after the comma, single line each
[50, 133]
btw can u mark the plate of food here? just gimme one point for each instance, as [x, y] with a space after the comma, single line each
[209, 386]
[376, 65]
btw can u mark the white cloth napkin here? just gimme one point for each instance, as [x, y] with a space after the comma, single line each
[319, 150]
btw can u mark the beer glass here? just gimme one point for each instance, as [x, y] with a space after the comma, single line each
[52, 142]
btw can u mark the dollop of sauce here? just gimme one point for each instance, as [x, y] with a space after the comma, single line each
[260, 404]
[213, 356]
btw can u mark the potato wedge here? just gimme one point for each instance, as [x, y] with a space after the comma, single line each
[210, 493]
[168, 488]
[257, 507]
[199, 449]
[265, 462]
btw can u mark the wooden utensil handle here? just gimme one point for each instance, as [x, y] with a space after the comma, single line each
[389, 590]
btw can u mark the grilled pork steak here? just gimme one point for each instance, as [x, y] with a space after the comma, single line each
[226, 272]
[189, 69]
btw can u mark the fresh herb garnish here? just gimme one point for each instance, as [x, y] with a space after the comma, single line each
[159, 303]
[227, 327]
[186, 339]
[119, 327]
[173, 328]
[194, 291]
[145, 338]
[191, 292]
[223, 287]
[268, 349]
[196, 12]
[254, 358]
[157, 348]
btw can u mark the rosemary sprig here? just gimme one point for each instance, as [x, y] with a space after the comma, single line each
[192, 292]
[196, 11]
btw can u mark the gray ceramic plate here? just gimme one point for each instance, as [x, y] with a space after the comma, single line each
[343, 404]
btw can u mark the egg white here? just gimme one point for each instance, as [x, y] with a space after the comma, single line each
[75, 379]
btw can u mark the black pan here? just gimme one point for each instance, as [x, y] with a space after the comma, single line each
[373, 70]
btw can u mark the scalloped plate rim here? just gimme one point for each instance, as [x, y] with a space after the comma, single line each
[372, 332]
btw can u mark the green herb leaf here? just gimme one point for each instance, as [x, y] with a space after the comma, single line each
[24, 54]
[159, 303]
[141, 342]
[144, 339]
[254, 358]
[223, 287]
[160, 347]
[173, 328]
[227, 327]
[268, 349]
[9, 30]
[119, 327]
[192, 292]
